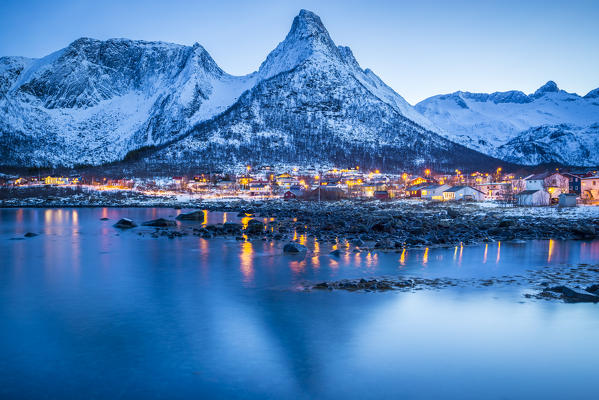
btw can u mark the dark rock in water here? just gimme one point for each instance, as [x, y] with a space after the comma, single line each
[125, 223]
[293, 247]
[358, 242]
[17, 238]
[232, 227]
[254, 226]
[555, 289]
[321, 285]
[335, 253]
[192, 216]
[584, 231]
[160, 223]
[593, 289]
[30, 234]
[579, 296]
[104, 219]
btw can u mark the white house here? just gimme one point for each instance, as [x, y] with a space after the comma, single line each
[463, 193]
[433, 192]
[533, 198]
[535, 182]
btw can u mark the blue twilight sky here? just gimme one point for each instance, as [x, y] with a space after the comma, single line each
[420, 48]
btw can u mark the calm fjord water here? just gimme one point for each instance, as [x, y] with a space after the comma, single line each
[88, 311]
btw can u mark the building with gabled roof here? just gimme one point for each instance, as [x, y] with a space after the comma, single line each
[463, 193]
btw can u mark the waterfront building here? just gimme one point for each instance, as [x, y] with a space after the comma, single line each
[533, 197]
[463, 193]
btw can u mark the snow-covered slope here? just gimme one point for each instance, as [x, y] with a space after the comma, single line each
[314, 103]
[512, 124]
[96, 102]
[564, 144]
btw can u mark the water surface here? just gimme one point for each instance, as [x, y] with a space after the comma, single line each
[90, 311]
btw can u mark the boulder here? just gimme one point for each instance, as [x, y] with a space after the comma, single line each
[358, 242]
[578, 296]
[584, 231]
[453, 213]
[125, 223]
[104, 219]
[30, 234]
[593, 289]
[160, 223]
[294, 248]
[232, 227]
[335, 253]
[254, 226]
[321, 285]
[192, 216]
[555, 289]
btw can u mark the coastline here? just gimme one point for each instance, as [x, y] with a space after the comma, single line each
[367, 224]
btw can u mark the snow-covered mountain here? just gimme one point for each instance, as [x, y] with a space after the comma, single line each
[314, 103]
[96, 102]
[550, 125]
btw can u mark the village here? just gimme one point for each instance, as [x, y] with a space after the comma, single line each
[566, 189]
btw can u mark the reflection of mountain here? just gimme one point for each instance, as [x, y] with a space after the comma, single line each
[170, 319]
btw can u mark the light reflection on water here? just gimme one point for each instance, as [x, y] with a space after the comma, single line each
[133, 316]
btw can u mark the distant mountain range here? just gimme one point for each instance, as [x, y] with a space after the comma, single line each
[97, 102]
[548, 126]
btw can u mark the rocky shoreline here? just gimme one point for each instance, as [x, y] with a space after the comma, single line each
[572, 284]
[359, 224]
[390, 226]
[402, 224]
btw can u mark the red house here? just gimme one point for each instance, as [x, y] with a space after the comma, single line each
[381, 195]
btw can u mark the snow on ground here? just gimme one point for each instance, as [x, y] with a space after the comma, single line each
[579, 212]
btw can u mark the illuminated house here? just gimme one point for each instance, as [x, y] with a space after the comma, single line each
[56, 180]
[589, 187]
[552, 182]
[418, 181]
[285, 181]
[434, 192]
[496, 190]
[259, 187]
[415, 191]
[463, 193]
[226, 184]
[575, 181]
